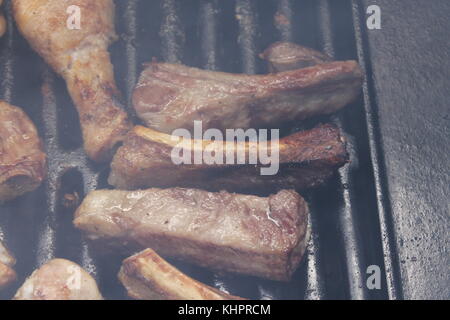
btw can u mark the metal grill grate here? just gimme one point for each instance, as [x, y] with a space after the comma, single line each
[350, 221]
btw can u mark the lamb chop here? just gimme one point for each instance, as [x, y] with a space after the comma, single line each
[285, 56]
[59, 279]
[7, 262]
[264, 237]
[22, 160]
[172, 96]
[147, 276]
[81, 57]
[306, 159]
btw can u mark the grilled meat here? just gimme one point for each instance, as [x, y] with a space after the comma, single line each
[147, 276]
[264, 237]
[82, 59]
[171, 96]
[285, 56]
[306, 159]
[7, 261]
[22, 161]
[2, 22]
[59, 279]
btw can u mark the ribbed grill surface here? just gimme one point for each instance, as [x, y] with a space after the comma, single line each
[349, 223]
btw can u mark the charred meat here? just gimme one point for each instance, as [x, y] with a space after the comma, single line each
[264, 237]
[22, 160]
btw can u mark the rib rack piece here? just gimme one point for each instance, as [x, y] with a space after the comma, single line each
[171, 96]
[147, 276]
[305, 160]
[264, 237]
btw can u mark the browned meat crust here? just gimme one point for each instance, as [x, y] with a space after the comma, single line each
[7, 274]
[170, 96]
[307, 159]
[82, 59]
[59, 279]
[147, 276]
[264, 237]
[22, 161]
[285, 56]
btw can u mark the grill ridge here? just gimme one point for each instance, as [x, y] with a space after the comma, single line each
[353, 254]
[390, 259]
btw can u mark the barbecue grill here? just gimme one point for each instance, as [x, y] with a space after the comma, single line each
[356, 220]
